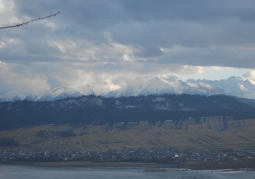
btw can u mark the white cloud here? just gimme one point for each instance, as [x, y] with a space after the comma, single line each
[7, 13]
[2, 65]
[10, 80]
[250, 74]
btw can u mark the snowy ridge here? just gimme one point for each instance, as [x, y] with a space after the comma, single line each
[145, 85]
[160, 85]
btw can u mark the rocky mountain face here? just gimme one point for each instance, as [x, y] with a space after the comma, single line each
[147, 85]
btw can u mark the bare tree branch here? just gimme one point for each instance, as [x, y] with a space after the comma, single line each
[25, 23]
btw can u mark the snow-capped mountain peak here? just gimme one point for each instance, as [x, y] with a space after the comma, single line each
[170, 78]
[143, 85]
[57, 93]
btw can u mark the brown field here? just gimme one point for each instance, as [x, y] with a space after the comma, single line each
[209, 134]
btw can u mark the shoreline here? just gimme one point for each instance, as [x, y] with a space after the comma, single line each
[129, 165]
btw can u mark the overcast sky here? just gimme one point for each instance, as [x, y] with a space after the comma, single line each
[107, 41]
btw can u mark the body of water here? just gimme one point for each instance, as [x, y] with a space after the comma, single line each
[27, 172]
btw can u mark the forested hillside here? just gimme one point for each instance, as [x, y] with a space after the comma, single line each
[100, 110]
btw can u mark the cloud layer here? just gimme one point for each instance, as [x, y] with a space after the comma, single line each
[99, 41]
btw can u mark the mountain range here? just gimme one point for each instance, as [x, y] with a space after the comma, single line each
[145, 85]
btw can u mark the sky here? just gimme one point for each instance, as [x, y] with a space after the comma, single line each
[110, 42]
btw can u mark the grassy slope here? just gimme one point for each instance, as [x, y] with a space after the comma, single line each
[239, 135]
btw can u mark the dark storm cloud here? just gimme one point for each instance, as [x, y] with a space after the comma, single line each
[145, 36]
[150, 25]
[105, 13]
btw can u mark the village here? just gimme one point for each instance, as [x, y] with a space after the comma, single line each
[144, 155]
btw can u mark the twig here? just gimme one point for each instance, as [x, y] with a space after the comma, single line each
[25, 23]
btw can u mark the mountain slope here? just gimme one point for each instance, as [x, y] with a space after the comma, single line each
[206, 134]
[101, 110]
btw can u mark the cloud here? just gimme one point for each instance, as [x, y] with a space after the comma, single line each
[100, 41]
[12, 79]
[250, 74]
